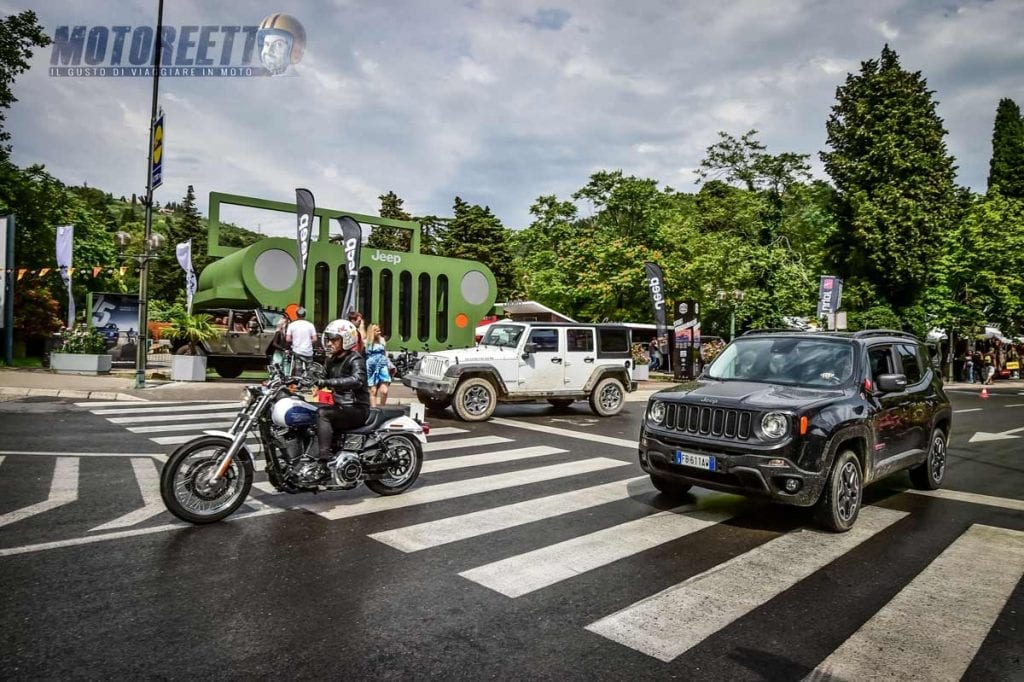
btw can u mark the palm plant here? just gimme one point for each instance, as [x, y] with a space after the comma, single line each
[192, 329]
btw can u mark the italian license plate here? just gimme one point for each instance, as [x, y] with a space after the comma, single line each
[687, 459]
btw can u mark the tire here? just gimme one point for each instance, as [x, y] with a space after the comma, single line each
[840, 502]
[475, 400]
[433, 404]
[561, 403]
[407, 454]
[608, 397]
[228, 370]
[178, 481]
[669, 487]
[183, 350]
[929, 474]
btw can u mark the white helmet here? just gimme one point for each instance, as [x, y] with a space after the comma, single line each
[344, 330]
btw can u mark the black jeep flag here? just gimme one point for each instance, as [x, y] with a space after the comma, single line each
[351, 241]
[305, 207]
[656, 285]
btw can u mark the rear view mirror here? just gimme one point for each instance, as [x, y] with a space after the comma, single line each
[529, 348]
[891, 383]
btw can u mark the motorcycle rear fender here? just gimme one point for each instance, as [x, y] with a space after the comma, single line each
[403, 425]
[244, 448]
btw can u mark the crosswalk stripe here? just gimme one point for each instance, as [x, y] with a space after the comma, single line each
[147, 419]
[454, 528]
[177, 440]
[942, 616]
[485, 458]
[148, 478]
[222, 425]
[671, 622]
[447, 431]
[973, 498]
[200, 407]
[455, 489]
[63, 490]
[525, 573]
[115, 403]
[569, 433]
[438, 446]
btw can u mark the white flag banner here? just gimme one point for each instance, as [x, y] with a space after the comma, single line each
[65, 243]
[184, 252]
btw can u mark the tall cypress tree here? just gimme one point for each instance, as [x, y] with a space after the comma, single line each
[894, 179]
[477, 234]
[1006, 170]
[392, 238]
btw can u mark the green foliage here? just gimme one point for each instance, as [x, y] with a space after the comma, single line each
[1006, 170]
[36, 311]
[475, 233]
[162, 311]
[19, 33]
[894, 180]
[82, 340]
[391, 238]
[875, 317]
[193, 329]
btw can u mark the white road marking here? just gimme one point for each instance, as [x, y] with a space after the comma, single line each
[177, 440]
[446, 431]
[525, 573]
[63, 490]
[455, 489]
[155, 455]
[222, 425]
[116, 403]
[569, 433]
[982, 436]
[148, 478]
[454, 528]
[973, 409]
[194, 407]
[485, 458]
[671, 622]
[973, 498]
[463, 443]
[933, 628]
[147, 419]
[1015, 405]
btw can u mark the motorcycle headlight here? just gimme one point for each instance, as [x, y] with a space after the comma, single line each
[774, 425]
[656, 412]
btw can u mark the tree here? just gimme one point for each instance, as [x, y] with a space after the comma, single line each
[19, 33]
[391, 238]
[475, 233]
[894, 179]
[1006, 170]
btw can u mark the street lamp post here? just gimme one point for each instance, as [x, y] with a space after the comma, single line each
[150, 245]
[734, 297]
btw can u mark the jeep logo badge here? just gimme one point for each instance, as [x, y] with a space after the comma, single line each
[710, 401]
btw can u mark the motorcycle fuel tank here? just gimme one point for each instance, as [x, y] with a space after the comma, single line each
[293, 412]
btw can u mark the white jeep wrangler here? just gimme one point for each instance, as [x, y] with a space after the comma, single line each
[527, 362]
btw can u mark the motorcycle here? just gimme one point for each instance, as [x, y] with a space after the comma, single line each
[404, 362]
[209, 477]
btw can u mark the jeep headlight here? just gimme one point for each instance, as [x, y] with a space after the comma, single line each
[774, 425]
[656, 412]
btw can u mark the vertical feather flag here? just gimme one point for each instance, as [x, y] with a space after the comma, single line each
[65, 243]
[184, 253]
[305, 207]
[351, 240]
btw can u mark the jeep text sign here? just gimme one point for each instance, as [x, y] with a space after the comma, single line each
[351, 239]
[830, 292]
[655, 282]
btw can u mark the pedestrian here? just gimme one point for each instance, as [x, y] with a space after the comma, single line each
[378, 371]
[279, 347]
[655, 353]
[300, 335]
[969, 369]
[356, 318]
[990, 370]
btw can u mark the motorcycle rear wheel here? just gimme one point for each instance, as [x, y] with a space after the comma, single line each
[407, 460]
[183, 487]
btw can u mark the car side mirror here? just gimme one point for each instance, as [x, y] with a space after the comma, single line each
[529, 349]
[891, 383]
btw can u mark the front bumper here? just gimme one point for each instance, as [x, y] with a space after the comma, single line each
[737, 470]
[436, 389]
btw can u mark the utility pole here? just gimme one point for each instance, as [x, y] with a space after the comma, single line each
[143, 338]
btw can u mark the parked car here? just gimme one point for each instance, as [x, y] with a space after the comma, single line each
[802, 418]
[529, 362]
[244, 340]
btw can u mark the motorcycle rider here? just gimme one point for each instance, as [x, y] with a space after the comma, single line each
[345, 375]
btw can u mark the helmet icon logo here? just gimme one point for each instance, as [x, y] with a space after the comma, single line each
[281, 40]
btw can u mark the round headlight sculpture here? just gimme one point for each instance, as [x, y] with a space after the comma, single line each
[774, 425]
[656, 413]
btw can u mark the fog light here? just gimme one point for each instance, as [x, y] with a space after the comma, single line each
[776, 463]
[792, 485]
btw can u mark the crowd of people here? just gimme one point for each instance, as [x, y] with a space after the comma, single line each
[984, 361]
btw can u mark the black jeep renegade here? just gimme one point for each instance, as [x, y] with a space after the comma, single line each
[803, 419]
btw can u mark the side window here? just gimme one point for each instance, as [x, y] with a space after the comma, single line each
[911, 363]
[613, 341]
[579, 340]
[880, 358]
[546, 339]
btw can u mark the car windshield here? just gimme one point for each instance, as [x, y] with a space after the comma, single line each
[503, 335]
[813, 362]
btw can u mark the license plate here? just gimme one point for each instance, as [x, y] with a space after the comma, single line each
[687, 459]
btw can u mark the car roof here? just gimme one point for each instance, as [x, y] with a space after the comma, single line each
[864, 334]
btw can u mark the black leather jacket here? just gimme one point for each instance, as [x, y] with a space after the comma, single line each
[345, 375]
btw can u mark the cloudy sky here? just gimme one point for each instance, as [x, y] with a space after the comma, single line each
[500, 101]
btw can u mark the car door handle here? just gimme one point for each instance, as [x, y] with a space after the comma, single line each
[557, 360]
[588, 360]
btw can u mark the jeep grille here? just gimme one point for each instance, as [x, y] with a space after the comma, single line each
[720, 422]
[433, 366]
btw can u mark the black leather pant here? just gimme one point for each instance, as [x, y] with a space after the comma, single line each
[334, 419]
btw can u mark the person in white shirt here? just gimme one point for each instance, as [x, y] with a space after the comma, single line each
[300, 335]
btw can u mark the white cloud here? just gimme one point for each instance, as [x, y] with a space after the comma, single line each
[887, 31]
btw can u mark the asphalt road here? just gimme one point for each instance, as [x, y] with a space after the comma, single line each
[532, 547]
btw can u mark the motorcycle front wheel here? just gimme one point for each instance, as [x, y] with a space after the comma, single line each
[405, 459]
[185, 486]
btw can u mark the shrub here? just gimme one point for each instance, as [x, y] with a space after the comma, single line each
[82, 340]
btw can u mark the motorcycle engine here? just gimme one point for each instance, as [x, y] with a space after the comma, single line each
[346, 469]
[291, 443]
